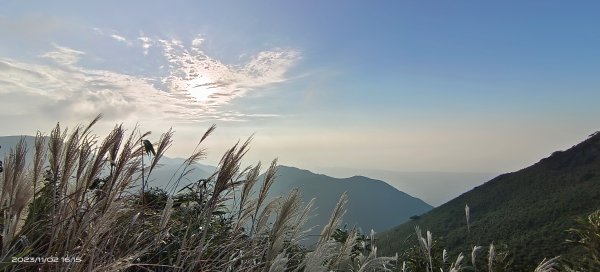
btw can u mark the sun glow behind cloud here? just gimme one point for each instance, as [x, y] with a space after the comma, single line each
[192, 86]
[213, 83]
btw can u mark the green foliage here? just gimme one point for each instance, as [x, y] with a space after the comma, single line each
[72, 208]
[586, 238]
[416, 260]
[84, 207]
[528, 210]
[362, 245]
[415, 217]
[155, 198]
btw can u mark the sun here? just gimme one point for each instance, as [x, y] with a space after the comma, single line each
[201, 88]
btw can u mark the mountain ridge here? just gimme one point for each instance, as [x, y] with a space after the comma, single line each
[421, 184]
[368, 198]
[362, 212]
[528, 210]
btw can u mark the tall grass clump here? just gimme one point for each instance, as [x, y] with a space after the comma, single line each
[81, 204]
[428, 255]
[586, 237]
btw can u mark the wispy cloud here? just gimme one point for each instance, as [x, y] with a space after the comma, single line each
[118, 38]
[66, 90]
[194, 86]
[146, 44]
[195, 74]
[113, 35]
[64, 55]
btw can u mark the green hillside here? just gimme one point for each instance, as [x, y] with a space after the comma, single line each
[528, 210]
[372, 204]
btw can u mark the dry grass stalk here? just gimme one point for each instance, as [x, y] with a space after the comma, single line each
[269, 178]
[374, 263]
[491, 257]
[457, 265]
[550, 265]
[163, 145]
[16, 193]
[279, 264]
[39, 158]
[474, 256]
[82, 211]
[247, 205]
[468, 217]
[184, 169]
[284, 223]
[335, 219]
[425, 246]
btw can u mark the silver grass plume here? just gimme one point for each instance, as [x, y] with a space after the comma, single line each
[548, 265]
[279, 264]
[467, 215]
[474, 256]
[425, 245]
[457, 266]
[444, 256]
[335, 219]
[492, 257]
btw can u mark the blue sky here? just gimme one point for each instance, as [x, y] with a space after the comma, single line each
[397, 85]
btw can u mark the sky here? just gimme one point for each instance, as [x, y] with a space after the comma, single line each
[451, 86]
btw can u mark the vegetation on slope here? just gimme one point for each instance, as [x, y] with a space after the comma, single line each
[365, 195]
[527, 211]
[59, 212]
[68, 216]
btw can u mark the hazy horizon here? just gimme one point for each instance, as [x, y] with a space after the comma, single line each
[422, 185]
[398, 86]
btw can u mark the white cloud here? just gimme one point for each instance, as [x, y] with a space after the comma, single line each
[71, 92]
[195, 88]
[64, 55]
[146, 44]
[195, 74]
[113, 35]
[192, 74]
[118, 38]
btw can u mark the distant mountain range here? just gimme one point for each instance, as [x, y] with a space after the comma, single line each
[373, 204]
[424, 184]
[170, 169]
[528, 210]
[8, 142]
